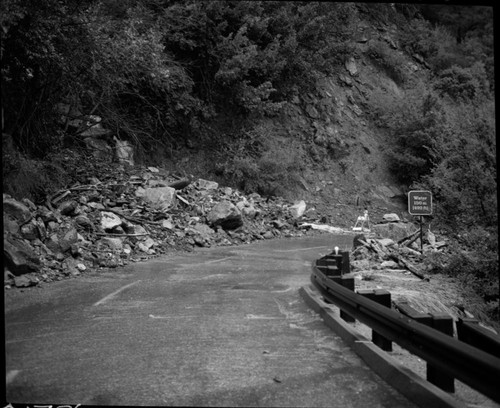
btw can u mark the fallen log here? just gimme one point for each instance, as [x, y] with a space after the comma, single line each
[375, 248]
[100, 234]
[408, 240]
[180, 184]
[403, 262]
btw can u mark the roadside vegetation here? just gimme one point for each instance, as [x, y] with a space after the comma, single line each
[166, 74]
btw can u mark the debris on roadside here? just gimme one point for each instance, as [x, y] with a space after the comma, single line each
[130, 214]
[404, 253]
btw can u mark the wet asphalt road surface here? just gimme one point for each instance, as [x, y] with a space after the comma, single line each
[219, 327]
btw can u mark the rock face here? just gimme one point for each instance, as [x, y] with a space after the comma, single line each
[225, 214]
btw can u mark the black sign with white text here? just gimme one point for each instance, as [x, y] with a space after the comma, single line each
[420, 202]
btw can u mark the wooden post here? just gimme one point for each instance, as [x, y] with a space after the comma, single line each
[444, 324]
[382, 297]
[347, 281]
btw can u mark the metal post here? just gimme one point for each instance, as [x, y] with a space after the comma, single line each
[421, 235]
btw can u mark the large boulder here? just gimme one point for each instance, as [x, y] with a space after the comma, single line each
[68, 239]
[298, 209]
[225, 214]
[160, 198]
[16, 210]
[394, 230]
[20, 257]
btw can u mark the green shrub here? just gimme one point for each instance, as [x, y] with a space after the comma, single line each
[472, 259]
[463, 84]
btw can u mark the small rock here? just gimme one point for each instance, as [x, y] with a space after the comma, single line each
[167, 224]
[29, 231]
[350, 66]
[391, 218]
[46, 215]
[386, 242]
[207, 185]
[96, 206]
[389, 265]
[84, 222]
[110, 220]
[268, 235]
[111, 242]
[24, 281]
[68, 207]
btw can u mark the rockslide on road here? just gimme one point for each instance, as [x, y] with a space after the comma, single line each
[220, 327]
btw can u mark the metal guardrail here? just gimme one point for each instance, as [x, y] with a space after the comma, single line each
[474, 367]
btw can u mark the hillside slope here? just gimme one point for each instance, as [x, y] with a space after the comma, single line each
[337, 150]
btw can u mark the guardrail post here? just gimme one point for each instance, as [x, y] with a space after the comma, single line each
[407, 310]
[328, 266]
[347, 281]
[382, 297]
[342, 260]
[444, 324]
[469, 331]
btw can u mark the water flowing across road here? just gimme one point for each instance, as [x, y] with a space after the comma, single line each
[219, 327]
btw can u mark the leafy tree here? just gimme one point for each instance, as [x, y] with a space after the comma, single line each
[465, 84]
[40, 66]
[138, 86]
[464, 175]
[413, 121]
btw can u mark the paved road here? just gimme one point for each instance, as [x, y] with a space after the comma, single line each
[220, 327]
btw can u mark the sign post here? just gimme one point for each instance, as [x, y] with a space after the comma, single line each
[420, 203]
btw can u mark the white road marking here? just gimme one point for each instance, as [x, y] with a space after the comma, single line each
[261, 317]
[11, 375]
[217, 260]
[299, 249]
[106, 298]
[151, 316]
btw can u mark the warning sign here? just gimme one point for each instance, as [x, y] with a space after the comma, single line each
[420, 202]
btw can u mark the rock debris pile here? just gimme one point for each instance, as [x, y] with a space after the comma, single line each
[397, 245]
[131, 215]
